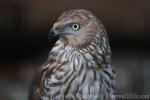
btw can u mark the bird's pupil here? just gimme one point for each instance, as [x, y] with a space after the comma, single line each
[75, 26]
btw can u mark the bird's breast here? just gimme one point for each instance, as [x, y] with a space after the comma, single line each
[76, 74]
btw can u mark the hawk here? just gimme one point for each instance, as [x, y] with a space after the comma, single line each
[79, 66]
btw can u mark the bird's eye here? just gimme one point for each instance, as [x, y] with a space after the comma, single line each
[75, 27]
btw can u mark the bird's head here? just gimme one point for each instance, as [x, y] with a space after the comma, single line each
[76, 27]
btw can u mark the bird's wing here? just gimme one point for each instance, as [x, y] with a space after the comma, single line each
[34, 93]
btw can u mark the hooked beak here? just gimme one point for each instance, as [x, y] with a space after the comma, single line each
[53, 33]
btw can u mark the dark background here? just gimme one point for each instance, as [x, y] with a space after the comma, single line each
[24, 44]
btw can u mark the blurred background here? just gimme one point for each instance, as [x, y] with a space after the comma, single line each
[24, 44]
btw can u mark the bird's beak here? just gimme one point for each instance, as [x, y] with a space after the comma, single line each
[53, 32]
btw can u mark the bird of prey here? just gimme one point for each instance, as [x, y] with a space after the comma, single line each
[79, 66]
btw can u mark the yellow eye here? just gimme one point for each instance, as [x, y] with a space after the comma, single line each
[75, 27]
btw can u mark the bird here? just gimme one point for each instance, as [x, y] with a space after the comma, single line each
[79, 66]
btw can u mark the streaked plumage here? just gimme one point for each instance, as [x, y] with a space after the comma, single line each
[79, 66]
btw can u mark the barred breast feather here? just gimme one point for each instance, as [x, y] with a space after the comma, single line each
[83, 74]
